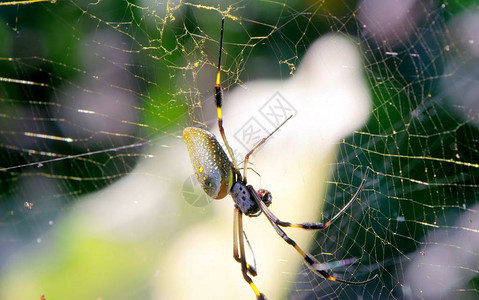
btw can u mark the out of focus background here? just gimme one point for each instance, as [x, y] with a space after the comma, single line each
[97, 200]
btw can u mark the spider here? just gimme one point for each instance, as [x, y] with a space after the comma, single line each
[220, 176]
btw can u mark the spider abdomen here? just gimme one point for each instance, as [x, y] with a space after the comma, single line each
[211, 165]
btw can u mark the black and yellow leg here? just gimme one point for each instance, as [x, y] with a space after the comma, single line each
[244, 265]
[312, 263]
[236, 255]
[219, 100]
[319, 226]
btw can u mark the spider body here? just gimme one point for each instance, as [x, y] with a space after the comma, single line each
[216, 173]
[220, 176]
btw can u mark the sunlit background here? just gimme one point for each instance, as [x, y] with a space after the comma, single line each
[97, 198]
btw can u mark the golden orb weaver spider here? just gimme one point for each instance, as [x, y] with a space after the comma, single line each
[220, 176]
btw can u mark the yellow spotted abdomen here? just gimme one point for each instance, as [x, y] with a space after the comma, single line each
[211, 165]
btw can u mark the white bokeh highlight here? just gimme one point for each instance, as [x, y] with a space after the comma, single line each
[331, 98]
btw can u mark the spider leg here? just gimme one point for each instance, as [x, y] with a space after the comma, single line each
[312, 263]
[246, 158]
[244, 265]
[219, 100]
[320, 226]
[253, 170]
[236, 255]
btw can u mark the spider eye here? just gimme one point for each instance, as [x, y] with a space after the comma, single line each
[265, 196]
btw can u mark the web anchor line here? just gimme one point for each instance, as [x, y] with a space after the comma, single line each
[73, 156]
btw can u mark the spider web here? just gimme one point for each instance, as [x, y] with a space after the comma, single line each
[93, 99]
